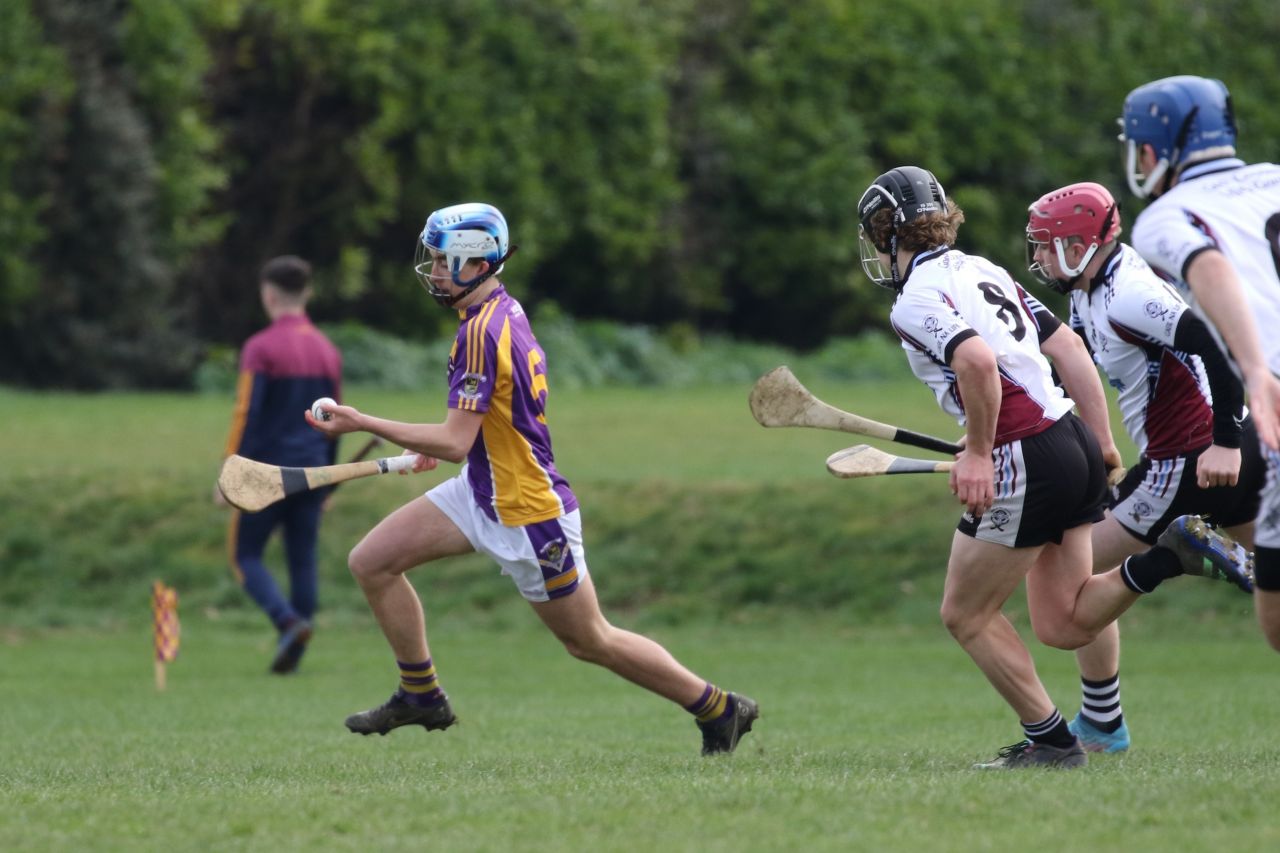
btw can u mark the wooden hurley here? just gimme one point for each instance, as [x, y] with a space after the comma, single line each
[779, 400]
[253, 486]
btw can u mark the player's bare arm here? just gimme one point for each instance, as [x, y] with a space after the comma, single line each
[449, 440]
[973, 478]
[1080, 377]
[1213, 280]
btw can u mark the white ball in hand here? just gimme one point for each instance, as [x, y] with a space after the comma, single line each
[319, 408]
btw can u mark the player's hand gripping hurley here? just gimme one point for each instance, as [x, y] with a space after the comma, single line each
[780, 400]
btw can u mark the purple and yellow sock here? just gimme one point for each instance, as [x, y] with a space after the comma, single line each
[418, 683]
[713, 705]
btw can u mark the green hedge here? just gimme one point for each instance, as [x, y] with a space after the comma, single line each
[592, 353]
[667, 162]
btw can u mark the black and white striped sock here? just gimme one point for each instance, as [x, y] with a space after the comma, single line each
[1100, 703]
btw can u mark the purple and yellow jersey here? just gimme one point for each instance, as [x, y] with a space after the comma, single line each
[497, 367]
[283, 369]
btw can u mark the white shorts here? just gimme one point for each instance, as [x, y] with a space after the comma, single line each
[544, 559]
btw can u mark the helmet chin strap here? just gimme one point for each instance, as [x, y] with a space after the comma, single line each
[1143, 187]
[1076, 272]
[448, 300]
[893, 260]
[898, 219]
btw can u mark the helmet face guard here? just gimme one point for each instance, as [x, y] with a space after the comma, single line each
[1085, 212]
[1043, 273]
[872, 265]
[1183, 119]
[461, 233]
[907, 191]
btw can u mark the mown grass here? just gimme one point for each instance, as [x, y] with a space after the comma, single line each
[726, 541]
[865, 743]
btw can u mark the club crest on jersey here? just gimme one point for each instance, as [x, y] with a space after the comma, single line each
[1140, 510]
[1155, 308]
[932, 324]
[552, 556]
[471, 385]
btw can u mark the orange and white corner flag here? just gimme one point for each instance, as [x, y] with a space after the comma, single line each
[167, 631]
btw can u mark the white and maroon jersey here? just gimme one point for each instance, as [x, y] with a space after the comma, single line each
[1225, 205]
[1128, 317]
[947, 297]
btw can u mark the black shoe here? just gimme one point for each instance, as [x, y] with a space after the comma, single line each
[396, 712]
[723, 735]
[293, 642]
[1031, 754]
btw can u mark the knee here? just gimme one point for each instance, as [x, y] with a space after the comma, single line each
[961, 624]
[364, 566]
[1060, 636]
[591, 646]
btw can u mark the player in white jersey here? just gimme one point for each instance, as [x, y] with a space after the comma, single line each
[1180, 402]
[1032, 475]
[1213, 228]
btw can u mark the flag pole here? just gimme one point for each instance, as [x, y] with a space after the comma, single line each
[166, 633]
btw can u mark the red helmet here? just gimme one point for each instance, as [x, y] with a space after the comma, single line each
[1085, 211]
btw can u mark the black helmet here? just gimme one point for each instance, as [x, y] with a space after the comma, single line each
[909, 192]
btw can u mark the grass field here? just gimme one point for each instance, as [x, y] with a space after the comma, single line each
[865, 744]
[727, 542]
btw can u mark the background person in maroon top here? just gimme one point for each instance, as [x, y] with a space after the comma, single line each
[283, 369]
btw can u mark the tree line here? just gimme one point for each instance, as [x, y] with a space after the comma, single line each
[673, 161]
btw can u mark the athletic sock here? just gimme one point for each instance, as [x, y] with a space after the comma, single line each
[713, 705]
[1051, 731]
[1100, 703]
[418, 683]
[1266, 569]
[1142, 573]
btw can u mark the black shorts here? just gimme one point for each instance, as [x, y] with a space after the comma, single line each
[1045, 485]
[1156, 491]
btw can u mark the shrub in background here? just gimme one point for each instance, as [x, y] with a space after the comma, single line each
[591, 354]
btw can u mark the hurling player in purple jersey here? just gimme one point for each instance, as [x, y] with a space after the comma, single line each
[508, 502]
